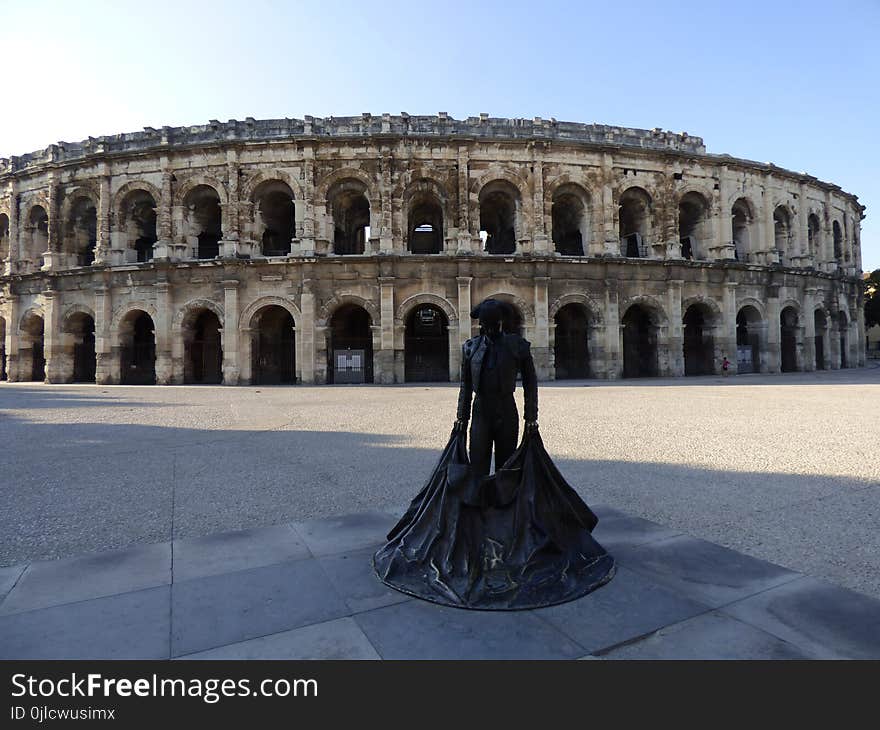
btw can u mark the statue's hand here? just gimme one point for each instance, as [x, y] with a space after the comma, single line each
[460, 425]
[531, 426]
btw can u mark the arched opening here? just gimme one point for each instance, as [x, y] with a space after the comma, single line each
[137, 349]
[37, 234]
[426, 345]
[80, 328]
[837, 235]
[204, 221]
[788, 321]
[742, 219]
[820, 327]
[138, 223]
[749, 327]
[692, 225]
[842, 324]
[425, 224]
[634, 222]
[699, 344]
[639, 343]
[273, 350]
[351, 345]
[351, 217]
[81, 231]
[31, 354]
[203, 349]
[571, 348]
[498, 204]
[4, 238]
[275, 217]
[3, 375]
[814, 235]
[570, 220]
[782, 232]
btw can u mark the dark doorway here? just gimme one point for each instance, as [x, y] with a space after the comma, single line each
[32, 329]
[426, 225]
[567, 216]
[351, 218]
[274, 355]
[82, 327]
[498, 218]
[204, 351]
[820, 327]
[788, 320]
[138, 353]
[571, 347]
[2, 349]
[842, 327]
[748, 323]
[639, 344]
[350, 349]
[426, 346]
[699, 349]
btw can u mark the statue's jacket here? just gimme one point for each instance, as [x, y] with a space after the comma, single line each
[513, 356]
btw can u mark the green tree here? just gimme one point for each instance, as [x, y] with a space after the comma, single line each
[872, 298]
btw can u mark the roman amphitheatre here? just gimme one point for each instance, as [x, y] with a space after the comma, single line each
[352, 249]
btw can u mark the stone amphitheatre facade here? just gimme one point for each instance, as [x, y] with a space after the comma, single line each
[353, 249]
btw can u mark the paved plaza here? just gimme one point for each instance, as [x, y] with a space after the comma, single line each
[236, 521]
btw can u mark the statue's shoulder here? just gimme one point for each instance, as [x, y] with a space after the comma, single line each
[518, 344]
[470, 346]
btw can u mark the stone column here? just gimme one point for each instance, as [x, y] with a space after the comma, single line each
[769, 229]
[166, 373]
[103, 245]
[104, 374]
[230, 228]
[52, 257]
[164, 246]
[610, 245]
[383, 371]
[464, 309]
[613, 355]
[231, 348]
[52, 338]
[774, 363]
[541, 336]
[802, 252]
[307, 237]
[306, 333]
[809, 329]
[675, 342]
[386, 240]
[466, 242]
[14, 254]
[540, 240]
[12, 373]
[727, 326]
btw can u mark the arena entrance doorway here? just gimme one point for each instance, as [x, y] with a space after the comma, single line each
[274, 350]
[699, 348]
[426, 345]
[571, 345]
[639, 344]
[203, 350]
[138, 351]
[81, 327]
[351, 346]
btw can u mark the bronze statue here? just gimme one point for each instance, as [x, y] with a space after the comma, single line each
[519, 538]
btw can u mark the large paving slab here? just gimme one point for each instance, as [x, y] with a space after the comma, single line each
[827, 620]
[224, 609]
[702, 571]
[709, 636]
[337, 639]
[346, 532]
[127, 626]
[226, 552]
[54, 582]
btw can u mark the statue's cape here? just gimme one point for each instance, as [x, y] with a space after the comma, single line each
[520, 538]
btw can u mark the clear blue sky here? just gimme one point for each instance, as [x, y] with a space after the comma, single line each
[794, 83]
